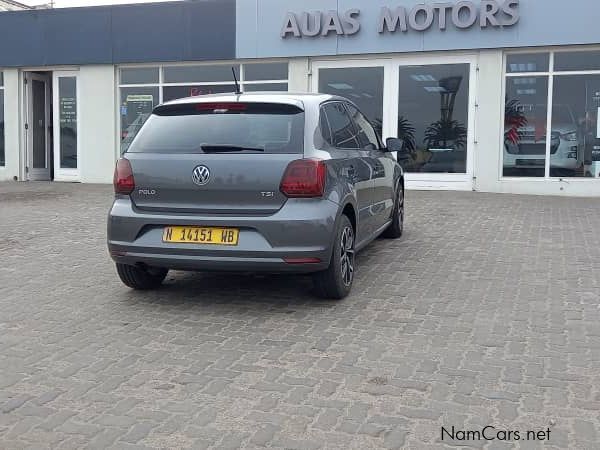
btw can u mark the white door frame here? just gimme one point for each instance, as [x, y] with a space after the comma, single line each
[31, 173]
[60, 173]
[391, 65]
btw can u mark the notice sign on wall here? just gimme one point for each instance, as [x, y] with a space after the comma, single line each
[68, 112]
[137, 105]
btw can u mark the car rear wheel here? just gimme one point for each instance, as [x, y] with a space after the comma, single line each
[336, 282]
[395, 229]
[141, 278]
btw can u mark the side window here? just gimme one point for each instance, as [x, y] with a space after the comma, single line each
[367, 137]
[324, 127]
[343, 134]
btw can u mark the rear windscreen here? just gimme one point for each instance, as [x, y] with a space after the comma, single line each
[222, 128]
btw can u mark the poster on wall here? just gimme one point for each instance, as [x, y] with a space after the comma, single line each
[137, 105]
[68, 123]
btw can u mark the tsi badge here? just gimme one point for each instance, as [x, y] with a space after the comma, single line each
[200, 175]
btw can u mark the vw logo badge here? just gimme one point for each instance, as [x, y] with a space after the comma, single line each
[201, 175]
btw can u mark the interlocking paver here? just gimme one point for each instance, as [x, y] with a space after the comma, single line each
[486, 312]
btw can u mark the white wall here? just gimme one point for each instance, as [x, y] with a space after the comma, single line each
[12, 137]
[98, 128]
[298, 75]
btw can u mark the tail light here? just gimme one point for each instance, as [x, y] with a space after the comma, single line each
[304, 178]
[123, 180]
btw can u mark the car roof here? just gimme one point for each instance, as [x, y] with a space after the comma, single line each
[300, 99]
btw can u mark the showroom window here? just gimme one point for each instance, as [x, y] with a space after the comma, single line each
[552, 106]
[2, 152]
[142, 88]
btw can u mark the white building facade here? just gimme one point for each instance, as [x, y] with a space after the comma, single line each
[491, 96]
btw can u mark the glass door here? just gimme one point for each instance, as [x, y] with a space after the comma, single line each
[66, 126]
[364, 82]
[435, 117]
[37, 127]
[426, 100]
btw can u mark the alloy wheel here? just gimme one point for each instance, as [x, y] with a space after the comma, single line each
[347, 255]
[401, 206]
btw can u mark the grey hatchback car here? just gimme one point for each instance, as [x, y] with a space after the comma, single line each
[254, 182]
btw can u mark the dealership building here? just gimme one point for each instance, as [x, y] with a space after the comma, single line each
[492, 96]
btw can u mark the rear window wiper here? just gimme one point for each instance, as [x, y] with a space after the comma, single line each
[229, 148]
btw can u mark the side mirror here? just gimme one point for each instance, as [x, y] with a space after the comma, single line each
[395, 145]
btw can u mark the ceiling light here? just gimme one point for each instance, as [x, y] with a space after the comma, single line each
[434, 89]
[423, 78]
[340, 86]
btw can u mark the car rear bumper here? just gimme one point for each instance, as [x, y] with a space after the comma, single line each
[296, 239]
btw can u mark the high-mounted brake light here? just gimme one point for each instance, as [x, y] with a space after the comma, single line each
[221, 107]
[304, 178]
[123, 180]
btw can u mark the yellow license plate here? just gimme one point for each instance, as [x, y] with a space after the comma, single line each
[201, 235]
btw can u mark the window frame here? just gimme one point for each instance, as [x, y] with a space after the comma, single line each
[551, 73]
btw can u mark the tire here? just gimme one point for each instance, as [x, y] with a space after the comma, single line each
[395, 229]
[141, 278]
[336, 281]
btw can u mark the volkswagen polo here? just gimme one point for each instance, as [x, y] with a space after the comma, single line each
[255, 182]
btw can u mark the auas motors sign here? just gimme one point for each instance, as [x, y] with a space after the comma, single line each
[462, 15]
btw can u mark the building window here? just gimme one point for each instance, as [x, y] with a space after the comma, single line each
[2, 151]
[141, 88]
[552, 111]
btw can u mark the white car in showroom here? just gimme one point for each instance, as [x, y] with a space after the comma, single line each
[525, 146]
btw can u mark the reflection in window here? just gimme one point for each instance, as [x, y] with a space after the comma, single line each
[139, 75]
[136, 105]
[265, 71]
[200, 74]
[528, 62]
[265, 87]
[343, 134]
[575, 126]
[525, 124]
[362, 85]
[433, 117]
[67, 97]
[573, 61]
[175, 92]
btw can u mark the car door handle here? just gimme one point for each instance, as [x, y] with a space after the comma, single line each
[351, 171]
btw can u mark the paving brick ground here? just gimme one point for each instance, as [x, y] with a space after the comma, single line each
[485, 313]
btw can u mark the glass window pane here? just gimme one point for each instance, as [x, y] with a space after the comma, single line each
[136, 105]
[362, 85]
[343, 133]
[258, 127]
[434, 116]
[174, 92]
[528, 62]
[1, 78]
[265, 87]
[577, 60]
[367, 137]
[525, 124]
[265, 71]
[2, 154]
[67, 98]
[575, 128]
[141, 75]
[200, 74]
